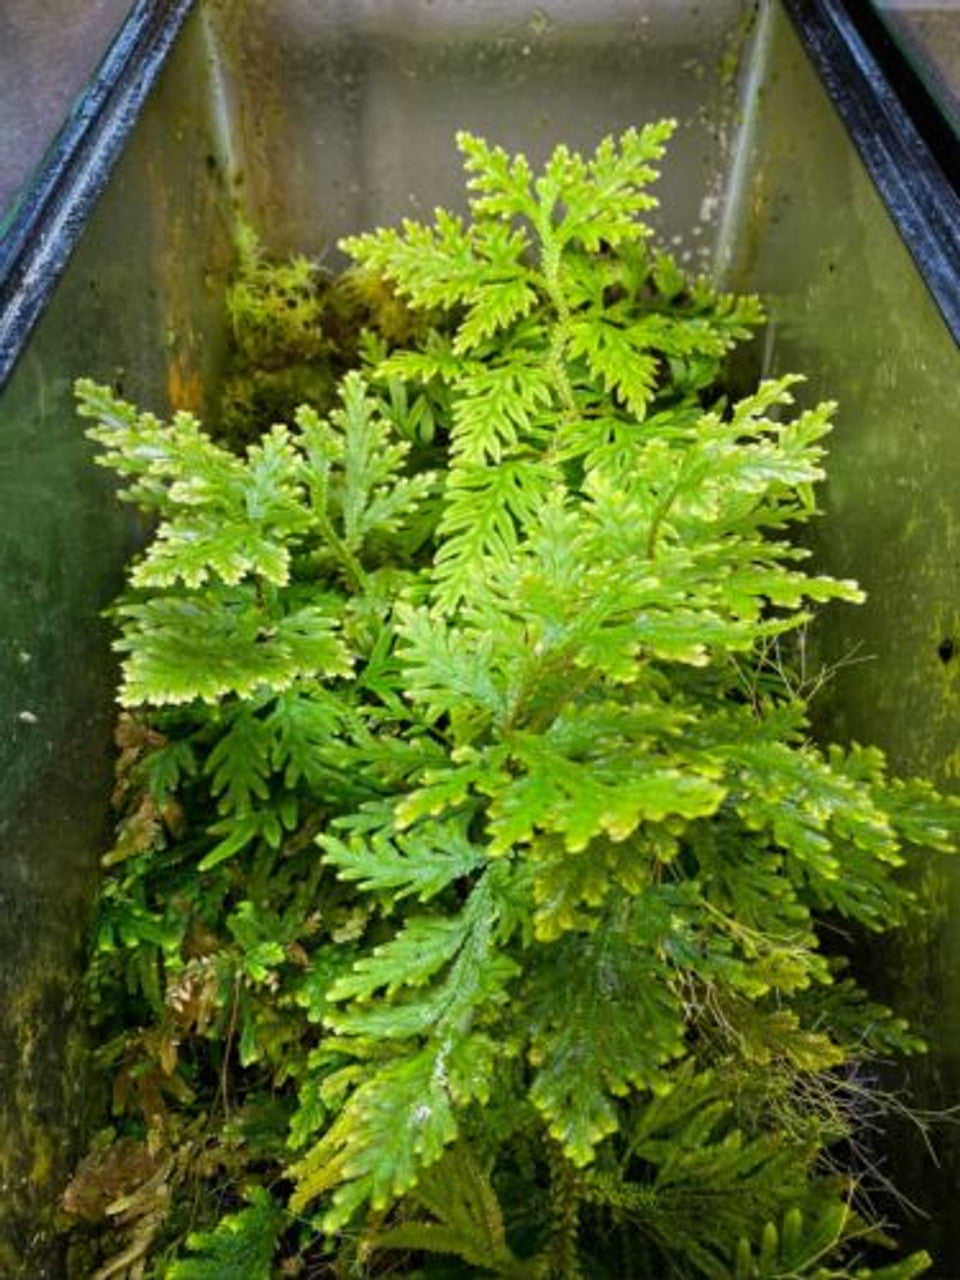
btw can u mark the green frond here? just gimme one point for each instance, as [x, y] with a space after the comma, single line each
[412, 958]
[459, 951]
[449, 671]
[168, 766]
[804, 1244]
[467, 1220]
[240, 1248]
[496, 407]
[499, 184]
[433, 266]
[597, 200]
[233, 522]
[603, 1022]
[485, 508]
[497, 304]
[183, 648]
[422, 862]
[239, 764]
[301, 723]
[139, 447]
[691, 1181]
[619, 359]
[367, 489]
[582, 799]
[397, 1122]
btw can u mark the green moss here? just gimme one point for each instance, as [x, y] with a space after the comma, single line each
[265, 396]
[45, 1066]
[295, 331]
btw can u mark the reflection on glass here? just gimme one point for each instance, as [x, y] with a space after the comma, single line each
[928, 33]
[48, 51]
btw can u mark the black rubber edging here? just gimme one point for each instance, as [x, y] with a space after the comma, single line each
[49, 219]
[906, 153]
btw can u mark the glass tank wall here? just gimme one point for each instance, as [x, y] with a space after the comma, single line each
[848, 308]
[139, 307]
[310, 119]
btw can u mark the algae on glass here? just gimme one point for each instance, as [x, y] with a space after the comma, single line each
[475, 861]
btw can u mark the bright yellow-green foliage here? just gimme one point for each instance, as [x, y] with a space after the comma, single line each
[480, 847]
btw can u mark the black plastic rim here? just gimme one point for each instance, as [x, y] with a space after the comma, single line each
[51, 213]
[902, 140]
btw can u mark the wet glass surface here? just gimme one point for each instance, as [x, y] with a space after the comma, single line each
[139, 308]
[848, 308]
[928, 33]
[48, 51]
[340, 114]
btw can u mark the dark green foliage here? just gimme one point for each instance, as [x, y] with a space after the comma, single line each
[241, 1248]
[474, 853]
[799, 1247]
[466, 1221]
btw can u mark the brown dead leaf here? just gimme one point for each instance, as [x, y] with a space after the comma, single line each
[105, 1175]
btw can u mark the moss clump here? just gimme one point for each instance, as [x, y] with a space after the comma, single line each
[295, 331]
[45, 1067]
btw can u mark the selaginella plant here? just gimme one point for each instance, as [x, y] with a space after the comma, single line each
[466, 910]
